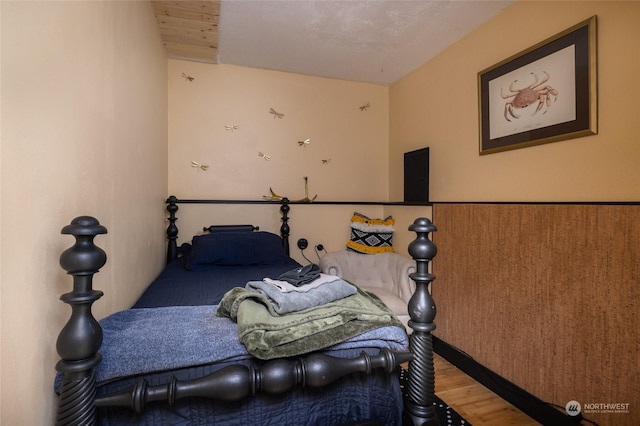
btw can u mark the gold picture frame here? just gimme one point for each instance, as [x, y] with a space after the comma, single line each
[544, 94]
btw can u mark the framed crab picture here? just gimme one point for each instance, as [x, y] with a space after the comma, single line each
[544, 94]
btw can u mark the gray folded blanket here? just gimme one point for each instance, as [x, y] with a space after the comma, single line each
[302, 275]
[286, 302]
[268, 336]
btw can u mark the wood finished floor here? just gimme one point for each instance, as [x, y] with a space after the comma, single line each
[477, 404]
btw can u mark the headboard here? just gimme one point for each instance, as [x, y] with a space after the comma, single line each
[172, 230]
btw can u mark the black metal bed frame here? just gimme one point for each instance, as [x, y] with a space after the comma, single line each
[79, 341]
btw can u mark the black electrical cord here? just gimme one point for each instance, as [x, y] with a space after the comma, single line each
[305, 257]
[319, 247]
[303, 244]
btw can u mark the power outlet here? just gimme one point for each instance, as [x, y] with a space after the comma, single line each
[303, 243]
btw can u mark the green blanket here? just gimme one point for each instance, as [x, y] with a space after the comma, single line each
[268, 335]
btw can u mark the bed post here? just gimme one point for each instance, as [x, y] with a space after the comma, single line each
[172, 230]
[422, 310]
[284, 228]
[80, 339]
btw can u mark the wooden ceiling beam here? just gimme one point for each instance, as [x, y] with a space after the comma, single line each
[189, 29]
[201, 40]
[194, 10]
[170, 22]
[191, 52]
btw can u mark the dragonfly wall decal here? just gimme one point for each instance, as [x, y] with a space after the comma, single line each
[199, 166]
[275, 113]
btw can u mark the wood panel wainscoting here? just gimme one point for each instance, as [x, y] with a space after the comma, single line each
[546, 295]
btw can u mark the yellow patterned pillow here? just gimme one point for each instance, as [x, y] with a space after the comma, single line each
[371, 236]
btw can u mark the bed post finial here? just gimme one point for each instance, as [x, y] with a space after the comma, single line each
[422, 310]
[172, 230]
[80, 339]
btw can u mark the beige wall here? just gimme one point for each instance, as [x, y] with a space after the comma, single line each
[326, 111]
[437, 106]
[84, 131]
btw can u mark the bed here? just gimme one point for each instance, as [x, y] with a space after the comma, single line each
[185, 353]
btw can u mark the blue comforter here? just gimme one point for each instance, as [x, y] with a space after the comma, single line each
[139, 341]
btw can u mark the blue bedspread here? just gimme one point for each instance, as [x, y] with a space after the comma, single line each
[138, 341]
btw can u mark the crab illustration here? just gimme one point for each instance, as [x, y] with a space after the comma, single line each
[522, 98]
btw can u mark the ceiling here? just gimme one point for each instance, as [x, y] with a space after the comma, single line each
[372, 41]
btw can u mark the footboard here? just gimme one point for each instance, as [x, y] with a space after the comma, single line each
[237, 382]
[80, 340]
